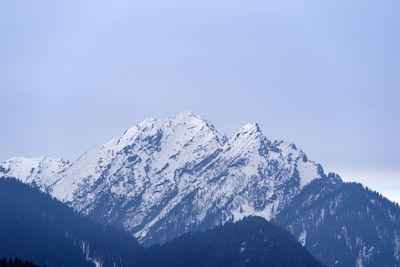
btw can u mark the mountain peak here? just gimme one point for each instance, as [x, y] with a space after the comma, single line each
[167, 164]
[186, 118]
[189, 114]
[248, 132]
[250, 128]
[187, 123]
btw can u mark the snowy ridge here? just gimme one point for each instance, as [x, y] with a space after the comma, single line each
[39, 171]
[167, 176]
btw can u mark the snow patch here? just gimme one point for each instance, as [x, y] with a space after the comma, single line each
[243, 247]
[86, 250]
[307, 172]
[303, 237]
[246, 209]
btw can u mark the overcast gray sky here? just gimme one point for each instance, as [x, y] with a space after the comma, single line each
[322, 74]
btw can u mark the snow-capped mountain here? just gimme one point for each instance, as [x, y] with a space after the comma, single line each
[166, 176]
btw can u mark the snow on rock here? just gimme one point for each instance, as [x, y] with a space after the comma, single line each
[303, 238]
[174, 173]
[40, 170]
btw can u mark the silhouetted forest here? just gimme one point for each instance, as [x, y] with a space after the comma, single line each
[343, 222]
[16, 262]
[39, 228]
[250, 242]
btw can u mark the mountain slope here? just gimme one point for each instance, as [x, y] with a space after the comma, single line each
[345, 224]
[36, 171]
[35, 227]
[249, 242]
[167, 176]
